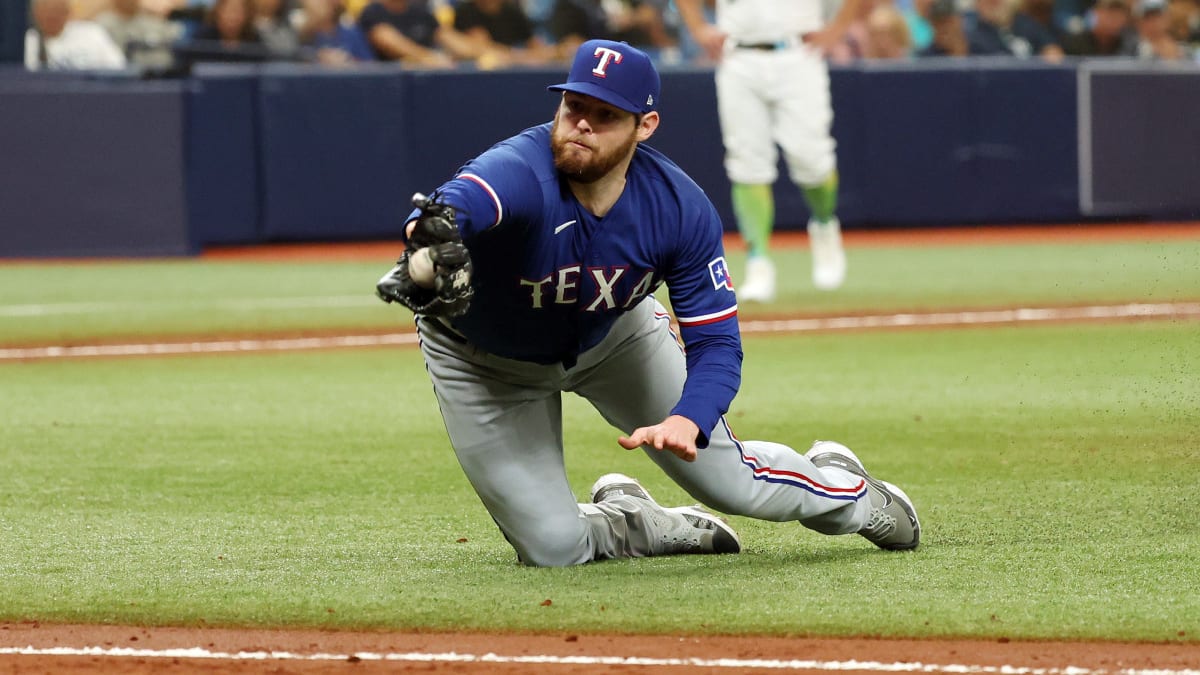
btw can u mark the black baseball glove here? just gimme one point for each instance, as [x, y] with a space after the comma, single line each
[435, 230]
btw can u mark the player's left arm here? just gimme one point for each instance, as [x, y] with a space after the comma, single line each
[703, 302]
[714, 357]
[714, 372]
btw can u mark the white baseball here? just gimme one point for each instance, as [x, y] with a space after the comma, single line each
[420, 268]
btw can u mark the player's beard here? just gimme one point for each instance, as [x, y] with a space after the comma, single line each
[587, 167]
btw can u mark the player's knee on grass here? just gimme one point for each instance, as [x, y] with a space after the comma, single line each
[550, 544]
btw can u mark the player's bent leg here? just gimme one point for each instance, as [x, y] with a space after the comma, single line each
[803, 132]
[530, 500]
[643, 527]
[754, 208]
[770, 481]
[640, 383]
[507, 435]
[803, 121]
[828, 255]
[751, 155]
[893, 522]
[806, 488]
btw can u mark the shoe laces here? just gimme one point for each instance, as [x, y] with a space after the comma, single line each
[678, 544]
[682, 538]
[880, 525]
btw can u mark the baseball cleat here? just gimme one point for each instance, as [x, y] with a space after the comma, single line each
[893, 523]
[759, 284]
[829, 259]
[618, 484]
[716, 534]
[702, 532]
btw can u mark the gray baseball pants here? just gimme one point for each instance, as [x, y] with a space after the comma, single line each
[504, 419]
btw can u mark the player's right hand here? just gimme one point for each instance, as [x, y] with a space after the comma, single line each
[676, 434]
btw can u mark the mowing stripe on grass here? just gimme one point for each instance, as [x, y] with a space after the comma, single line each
[1166, 310]
[547, 659]
[1177, 310]
[246, 304]
[214, 347]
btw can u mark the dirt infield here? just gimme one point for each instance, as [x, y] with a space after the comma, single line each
[185, 650]
[31, 647]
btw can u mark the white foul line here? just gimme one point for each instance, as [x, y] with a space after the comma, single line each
[229, 304]
[968, 318]
[932, 319]
[215, 347]
[545, 659]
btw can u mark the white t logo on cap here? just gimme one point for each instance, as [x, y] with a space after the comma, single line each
[607, 56]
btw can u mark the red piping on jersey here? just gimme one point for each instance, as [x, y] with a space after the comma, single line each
[491, 193]
[711, 318]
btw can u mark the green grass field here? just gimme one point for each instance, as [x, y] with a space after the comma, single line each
[71, 302]
[1055, 467]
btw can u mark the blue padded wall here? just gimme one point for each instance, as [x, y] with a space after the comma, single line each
[855, 194]
[12, 31]
[915, 132]
[455, 116]
[335, 153]
[959, 142]
[1143, 133]
[1024, 164]
[91, 168]
[222, 155]
[256, 153]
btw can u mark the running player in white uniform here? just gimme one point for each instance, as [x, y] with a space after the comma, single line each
[563, 233]
[773, 90]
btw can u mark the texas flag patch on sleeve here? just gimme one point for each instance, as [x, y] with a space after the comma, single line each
[719, 272]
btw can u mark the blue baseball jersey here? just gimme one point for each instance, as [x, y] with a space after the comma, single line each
[551, 278]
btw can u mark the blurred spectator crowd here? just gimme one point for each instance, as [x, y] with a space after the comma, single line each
[168, 36]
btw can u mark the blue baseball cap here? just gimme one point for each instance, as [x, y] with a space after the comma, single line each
[615, 73]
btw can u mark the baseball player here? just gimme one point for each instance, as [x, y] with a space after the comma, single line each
[773, 89]
[532, 272]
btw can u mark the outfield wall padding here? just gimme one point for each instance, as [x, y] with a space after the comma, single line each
[334, 151]
[241, 154]
[223, 187]
[13, 23]
[1140, 140]
[92, 168]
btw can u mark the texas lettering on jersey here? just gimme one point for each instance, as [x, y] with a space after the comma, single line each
[564, 275]
[563, 288]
